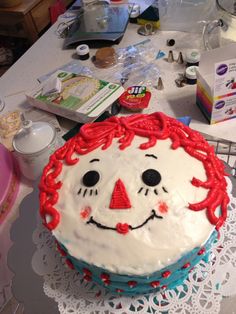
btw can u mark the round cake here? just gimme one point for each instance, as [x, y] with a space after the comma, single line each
[134, 202]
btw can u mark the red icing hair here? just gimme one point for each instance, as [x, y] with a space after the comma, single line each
[153, 127]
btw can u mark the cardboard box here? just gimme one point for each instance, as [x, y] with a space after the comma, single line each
[216, 84]
[80, 98]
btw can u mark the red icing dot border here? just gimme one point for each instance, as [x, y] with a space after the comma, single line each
[187, 265]
[155, 126]
[202, 251]
[155, 284]
[166, 274]
[119, 290]
[69, 264]
[132, 283]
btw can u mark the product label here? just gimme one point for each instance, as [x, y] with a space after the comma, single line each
[135, 97]
[224, 105]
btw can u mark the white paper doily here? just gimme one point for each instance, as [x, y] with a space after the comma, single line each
[200, 294]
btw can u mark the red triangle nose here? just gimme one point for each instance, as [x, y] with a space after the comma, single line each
[119, 198]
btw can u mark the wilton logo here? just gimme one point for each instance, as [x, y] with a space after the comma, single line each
[222, 69]
[220, 104]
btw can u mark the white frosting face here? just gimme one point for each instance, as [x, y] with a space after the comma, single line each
[161, 226]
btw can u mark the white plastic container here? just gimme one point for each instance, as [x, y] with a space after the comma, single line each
[191, 74]
[192, 57]
[33, 144]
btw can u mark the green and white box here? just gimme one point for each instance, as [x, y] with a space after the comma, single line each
[76, 97]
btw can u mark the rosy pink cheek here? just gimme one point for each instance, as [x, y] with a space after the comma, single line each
[85, 213]
[162, 207]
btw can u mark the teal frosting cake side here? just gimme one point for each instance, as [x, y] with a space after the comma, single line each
[168, 278]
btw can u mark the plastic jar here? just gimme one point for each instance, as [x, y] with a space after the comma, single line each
[83, 52]
[191, 75]
[192, 57]
[33, 145]
[134, 14]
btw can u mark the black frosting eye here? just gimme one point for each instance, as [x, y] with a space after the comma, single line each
[151, 177]
[91, 178]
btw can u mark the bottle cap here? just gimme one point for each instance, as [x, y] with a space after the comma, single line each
[134, 13]
[136, 7]
[191, 72]
[133, 7]
[193, 56]
[170, 42]
[82, 50]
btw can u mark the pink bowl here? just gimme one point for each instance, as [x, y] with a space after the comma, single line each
[9, 181]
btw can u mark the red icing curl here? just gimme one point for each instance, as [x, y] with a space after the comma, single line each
[48, 193]
[152, 127]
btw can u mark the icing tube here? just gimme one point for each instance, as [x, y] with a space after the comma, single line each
[185, 120]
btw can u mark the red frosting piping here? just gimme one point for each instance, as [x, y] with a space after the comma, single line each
[156, 126]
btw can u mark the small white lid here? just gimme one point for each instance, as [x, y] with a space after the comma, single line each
[33, 137]
[134, 7]
[191, 72]
[134, 13]
[192, 56]
[82, 50]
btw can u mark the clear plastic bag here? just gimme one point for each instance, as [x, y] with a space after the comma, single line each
[134, 53]
[135, 66]
[185, 15]
[141, 73]
[138, 65]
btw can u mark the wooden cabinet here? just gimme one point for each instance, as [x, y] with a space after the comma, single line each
[28, 19]
[40, 14]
